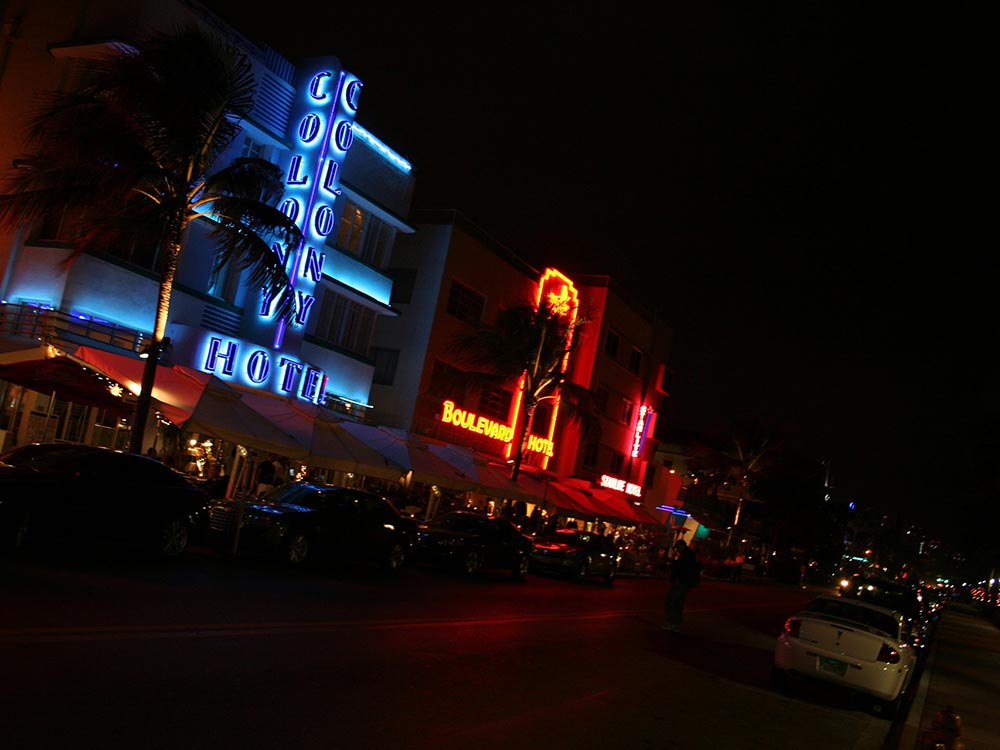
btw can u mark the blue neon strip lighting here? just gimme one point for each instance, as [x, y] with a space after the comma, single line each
[390, 156]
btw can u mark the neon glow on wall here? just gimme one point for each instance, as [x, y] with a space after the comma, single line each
[322, 134]
[559, 293]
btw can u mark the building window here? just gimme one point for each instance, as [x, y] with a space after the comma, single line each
[446, 382]
[602, 399]
[465, 304]
[386, 362]
[590, 453]
[351, 229]
[376, 242]
[403, 282]
[617, 462]
[611, 345]
[628, 409]
[224, 282]
[345, 323]
[495, 403]
[650, 474]
[635, 360]
[253, 149]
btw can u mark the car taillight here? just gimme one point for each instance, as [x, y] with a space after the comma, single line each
[792, 626]
[888, 654]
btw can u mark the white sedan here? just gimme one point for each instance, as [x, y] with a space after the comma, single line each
[854, 644]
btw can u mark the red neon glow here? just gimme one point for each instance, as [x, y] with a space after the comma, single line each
[639, 435]
[561, 296]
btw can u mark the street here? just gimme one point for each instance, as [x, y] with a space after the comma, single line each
[211, 652]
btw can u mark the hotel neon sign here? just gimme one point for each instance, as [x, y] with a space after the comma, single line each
[620, 485]
[639, 435]
[321, 134]
[562, 298]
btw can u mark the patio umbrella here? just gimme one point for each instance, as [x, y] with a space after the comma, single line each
[617, 505]
[48, 370]
[488, 477]
[570, 499]
[413, 455]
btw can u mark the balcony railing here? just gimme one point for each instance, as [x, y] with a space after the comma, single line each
[30, 323]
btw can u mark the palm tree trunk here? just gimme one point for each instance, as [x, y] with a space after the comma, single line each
[145, 399]
[522, 441]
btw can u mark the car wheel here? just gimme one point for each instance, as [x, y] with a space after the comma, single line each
[297, 547]
[889, 709]
[14, 539]
[396, 557]
[779, 678]
[472, 563]
[582, 570]
[521, 566]
[173, 538]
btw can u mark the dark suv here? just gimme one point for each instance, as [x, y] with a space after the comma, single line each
[300, 521]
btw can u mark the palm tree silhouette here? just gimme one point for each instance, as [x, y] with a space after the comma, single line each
[130, 155]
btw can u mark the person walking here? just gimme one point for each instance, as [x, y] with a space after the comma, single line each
[685, 574]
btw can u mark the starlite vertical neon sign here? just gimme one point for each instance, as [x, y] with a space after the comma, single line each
[639, 434]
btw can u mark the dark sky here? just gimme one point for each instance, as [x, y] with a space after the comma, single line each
[787, 183]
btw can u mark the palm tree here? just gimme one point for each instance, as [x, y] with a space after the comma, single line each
[530, 344]
[129, 155]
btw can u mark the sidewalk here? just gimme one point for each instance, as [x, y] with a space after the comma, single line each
[962, 672]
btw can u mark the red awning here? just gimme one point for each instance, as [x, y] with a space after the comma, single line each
[198, 402]
[52, 372]
[570, 496]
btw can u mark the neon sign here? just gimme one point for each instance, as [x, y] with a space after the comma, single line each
[471, 421]
[322, 134]
[259, 367]
[620, 485]
[639, 436]
[561, 297]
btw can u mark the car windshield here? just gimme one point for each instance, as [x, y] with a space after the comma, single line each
[295, 494]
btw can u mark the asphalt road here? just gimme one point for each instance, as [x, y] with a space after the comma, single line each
[217, 653]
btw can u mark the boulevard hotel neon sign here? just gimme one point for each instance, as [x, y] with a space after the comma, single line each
[561, 296]
[323, 133]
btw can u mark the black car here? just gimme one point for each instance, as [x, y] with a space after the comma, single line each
[84, 497]
[473, 541]
[576, 554]
[299, 521]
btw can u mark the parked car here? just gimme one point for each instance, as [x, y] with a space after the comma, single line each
[474, 541]
[896, 595]
[68, 495]
[857, 645]
[576, 554]
[300, 521]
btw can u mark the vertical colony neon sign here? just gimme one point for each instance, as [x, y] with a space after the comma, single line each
[561, 296]
[323, 122]
[323, 135]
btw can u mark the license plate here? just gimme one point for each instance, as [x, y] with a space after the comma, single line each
[834, 666]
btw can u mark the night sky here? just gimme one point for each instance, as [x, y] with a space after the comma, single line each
[790, 185]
